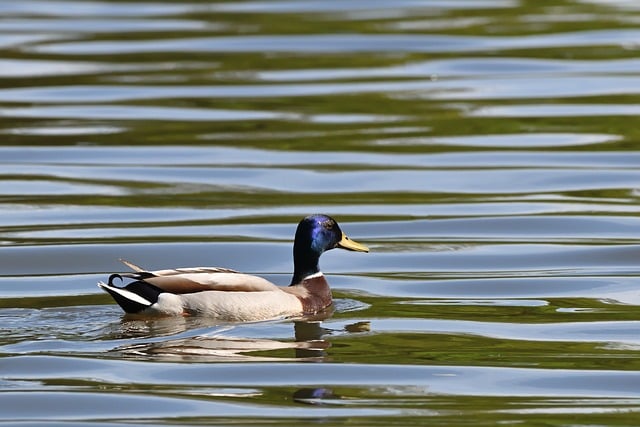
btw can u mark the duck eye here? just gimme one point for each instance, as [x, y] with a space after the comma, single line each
[328, 225]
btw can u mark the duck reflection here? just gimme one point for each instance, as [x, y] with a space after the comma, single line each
[315, 396]
[221, 343]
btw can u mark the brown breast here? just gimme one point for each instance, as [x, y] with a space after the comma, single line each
[314, 293]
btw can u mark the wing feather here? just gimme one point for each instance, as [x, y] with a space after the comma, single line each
[197, 279]
[183, 283]
[192, 270]
[131, 265]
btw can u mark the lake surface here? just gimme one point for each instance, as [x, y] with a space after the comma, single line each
[486, 151]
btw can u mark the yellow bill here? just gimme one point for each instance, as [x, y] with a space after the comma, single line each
[351, 245]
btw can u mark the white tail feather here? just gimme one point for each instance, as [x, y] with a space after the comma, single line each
[126, 294]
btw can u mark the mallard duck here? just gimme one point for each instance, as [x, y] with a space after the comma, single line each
[230, 295]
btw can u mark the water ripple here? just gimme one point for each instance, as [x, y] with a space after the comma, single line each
[484, 150]
[341, 43]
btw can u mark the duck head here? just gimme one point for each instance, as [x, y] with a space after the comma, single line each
[315, 235]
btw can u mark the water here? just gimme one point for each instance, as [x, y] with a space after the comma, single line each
[486, 152]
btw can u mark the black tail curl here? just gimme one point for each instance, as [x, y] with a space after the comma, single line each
[134, 276]
[114, 276]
